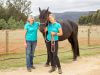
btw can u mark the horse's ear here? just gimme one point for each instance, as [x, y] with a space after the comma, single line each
[39, 9]
[47, 9]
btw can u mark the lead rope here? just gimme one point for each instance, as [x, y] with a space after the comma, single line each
[52, 44]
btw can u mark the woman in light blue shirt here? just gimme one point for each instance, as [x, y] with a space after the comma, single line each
[54, 31]
[31, 28]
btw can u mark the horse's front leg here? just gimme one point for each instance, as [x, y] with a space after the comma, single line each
[48, 54]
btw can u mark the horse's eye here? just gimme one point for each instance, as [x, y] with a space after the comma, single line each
[43, 17]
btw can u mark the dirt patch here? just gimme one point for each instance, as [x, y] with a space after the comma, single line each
[84, 66]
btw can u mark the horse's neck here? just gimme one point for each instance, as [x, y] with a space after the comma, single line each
[44, 34]
[48, 22]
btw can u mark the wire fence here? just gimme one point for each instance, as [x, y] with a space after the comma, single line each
[46, 54]
[12, 41]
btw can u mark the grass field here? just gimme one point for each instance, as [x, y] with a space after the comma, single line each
[15, 60]
[17, 49]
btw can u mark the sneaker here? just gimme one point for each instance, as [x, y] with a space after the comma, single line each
[59, 70]
[33, 67]
[29, 69]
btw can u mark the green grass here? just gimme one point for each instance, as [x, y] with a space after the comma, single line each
[65, 57]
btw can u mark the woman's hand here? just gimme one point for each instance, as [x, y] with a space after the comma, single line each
[53, 33]
[25, 44]
[25, 39]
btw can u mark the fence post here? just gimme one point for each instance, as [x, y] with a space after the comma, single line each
[7, 41]
[89, 37]
[89, 24]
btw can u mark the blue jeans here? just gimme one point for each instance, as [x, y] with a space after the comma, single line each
[31, 45]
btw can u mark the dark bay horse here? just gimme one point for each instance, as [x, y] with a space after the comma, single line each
[70, 32]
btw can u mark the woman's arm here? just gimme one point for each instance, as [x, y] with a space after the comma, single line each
[60, 33]
[24, 38]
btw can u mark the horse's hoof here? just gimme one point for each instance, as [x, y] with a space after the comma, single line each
[46, 65]
[74, 59]
[78, 55]
[52, 69]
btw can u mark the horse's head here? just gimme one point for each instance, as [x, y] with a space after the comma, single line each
[44, 14]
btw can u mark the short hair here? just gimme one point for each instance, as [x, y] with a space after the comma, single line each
[30, 16]
[52, 15]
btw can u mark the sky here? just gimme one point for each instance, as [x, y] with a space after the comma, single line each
[64, 5]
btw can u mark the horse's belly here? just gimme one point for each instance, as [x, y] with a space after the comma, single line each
[64, 37]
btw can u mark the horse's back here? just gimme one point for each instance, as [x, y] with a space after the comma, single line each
[68, 28]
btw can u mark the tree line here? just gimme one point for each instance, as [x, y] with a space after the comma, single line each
[13, 13]
[90, 19]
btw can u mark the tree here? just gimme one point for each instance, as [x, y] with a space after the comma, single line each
[23, 6]
[91, 18]
[14, 13]
[12, 24]
[20, 24]
[3, 24]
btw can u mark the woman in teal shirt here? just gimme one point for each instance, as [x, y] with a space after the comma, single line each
[31, 28]
[54, 31]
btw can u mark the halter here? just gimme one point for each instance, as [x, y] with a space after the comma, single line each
[43, 23]
[45, 32]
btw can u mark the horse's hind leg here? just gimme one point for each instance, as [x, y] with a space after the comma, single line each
[74, 46]
[76, 41]
[78, 53]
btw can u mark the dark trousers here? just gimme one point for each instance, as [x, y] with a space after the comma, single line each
[53, 55]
